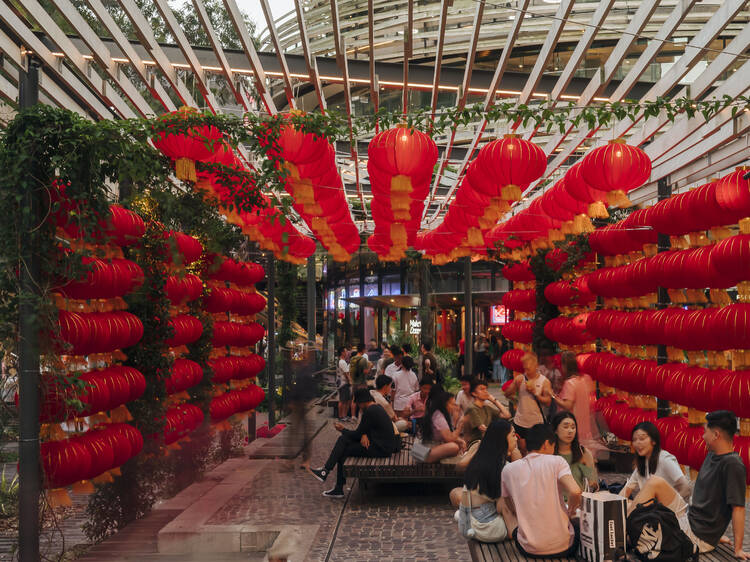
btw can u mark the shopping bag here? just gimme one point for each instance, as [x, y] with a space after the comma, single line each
[602, 526]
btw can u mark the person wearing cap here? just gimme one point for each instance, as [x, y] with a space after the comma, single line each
[374, 437]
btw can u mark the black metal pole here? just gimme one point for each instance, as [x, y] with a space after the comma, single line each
[28, 355]
[361, 294]
[664, 192]
[468, 321]
[311, 304]
[425, 312]
[380, 308]
[271, 328]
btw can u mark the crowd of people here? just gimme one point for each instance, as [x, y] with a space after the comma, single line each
[526, 470]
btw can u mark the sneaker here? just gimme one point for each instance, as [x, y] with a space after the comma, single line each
[319, 473]
[334, 493]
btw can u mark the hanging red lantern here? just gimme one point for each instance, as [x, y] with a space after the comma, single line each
[512, 163]
[616, 168]
[733, 193]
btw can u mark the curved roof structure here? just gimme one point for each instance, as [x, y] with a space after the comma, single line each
[124, 58]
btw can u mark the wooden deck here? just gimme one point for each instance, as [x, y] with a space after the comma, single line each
[398, 467]
[506, 552]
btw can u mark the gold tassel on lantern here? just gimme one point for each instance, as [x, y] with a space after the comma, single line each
[103, 478]
[184, 169]
[474, 237]
[597, 210]
[581, 224]
[511, 193]
[567, 228]
[84, 487]
[617, 198]
[555, 235]
[720, 233]
[401, 184]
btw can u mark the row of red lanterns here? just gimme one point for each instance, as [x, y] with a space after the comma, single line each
[717, 203]
[186, 330]
[568, 331]
[98, 332]
[184, 374]
[518, 271]
[187, 248]
[722, 328]
[201, 143]
[105, 279]
[400, 165]
[181, 420]
[315, 184]
[236, 401]
[90, 454]
[105, 389]
[243, 274]
[721, 265]
[511, 359]
[607, 173]
[237, 334]
[236, 367]
[221, 299]
[696, 387]
[121, 226]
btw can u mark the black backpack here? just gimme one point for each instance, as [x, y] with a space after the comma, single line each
[655, 535]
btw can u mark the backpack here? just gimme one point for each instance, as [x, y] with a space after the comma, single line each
[655, 534]
[356, 369]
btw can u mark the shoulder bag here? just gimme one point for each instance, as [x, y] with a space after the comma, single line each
[490, 531]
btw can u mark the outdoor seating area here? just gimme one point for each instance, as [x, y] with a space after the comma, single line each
[386, 280]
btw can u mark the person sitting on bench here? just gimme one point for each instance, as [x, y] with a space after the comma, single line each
[383, 389]
[374, 437]
[481, 414]
[533, 487]
[718, 492]
[437, 427]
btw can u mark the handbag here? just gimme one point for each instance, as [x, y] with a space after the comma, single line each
[419, 451]
[490, 531]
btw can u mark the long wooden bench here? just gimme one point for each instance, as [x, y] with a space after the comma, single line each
[506, 552]
[398, 467]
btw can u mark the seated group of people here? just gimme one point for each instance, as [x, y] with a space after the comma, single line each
[534, 498]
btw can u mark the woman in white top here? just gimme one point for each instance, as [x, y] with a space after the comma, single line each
[344, 383]
[651, 460]
[534, 393]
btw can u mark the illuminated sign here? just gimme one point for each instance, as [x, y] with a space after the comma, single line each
[498, 315]
[415, 326]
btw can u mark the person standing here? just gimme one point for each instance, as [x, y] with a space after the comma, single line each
[405, 384]
[482, 361]
[398, 355]
[534, 393]
[548, 369]
[374, 437]
[344, 383]
[575, 395]
[429, 363]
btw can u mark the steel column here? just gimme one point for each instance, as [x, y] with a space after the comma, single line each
[665, 192]
[468, 321]
[28, 354]
[271, 329]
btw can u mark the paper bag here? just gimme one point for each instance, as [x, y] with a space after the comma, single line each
[602, 526]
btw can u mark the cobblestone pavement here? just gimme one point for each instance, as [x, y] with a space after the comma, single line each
[413, 522]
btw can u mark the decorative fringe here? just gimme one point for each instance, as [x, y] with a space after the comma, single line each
[677, 296]
[121, 414]
[511, 193]
[401, 184]
[555, 235]
[581, 224]
[719, 297]
[720, 233]
[59, 498]
[597, 210]
[650, 250]
[745, 427]
[617, 198]
[184, 169]
[84, 487]
[567, 228]
[474, 237]
[103, 478]
[116, 471]
[745, 225]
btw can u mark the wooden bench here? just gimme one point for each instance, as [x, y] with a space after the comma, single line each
[399, 467]
[506, 552]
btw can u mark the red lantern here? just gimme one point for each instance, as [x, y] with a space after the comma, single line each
[512, 163]
[616, 167]
[733, 193]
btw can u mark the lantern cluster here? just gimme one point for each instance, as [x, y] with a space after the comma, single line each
[243, 303]
[569, 293]
[186, 329]
[89, 455]
[105, 279]
[523, 300]
[237, 334]
[315, 184]
[568, 331]
[183, 375]
[104, 389]
[236, 367]
[236, 401]
[98, 332]
[181, 289]
[521, 331]
[511, 359]
[243, 274]
[400, 165]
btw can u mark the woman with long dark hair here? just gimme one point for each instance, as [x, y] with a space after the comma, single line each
[652, 460]
[481, 492]
[438, 431]
[579, 458]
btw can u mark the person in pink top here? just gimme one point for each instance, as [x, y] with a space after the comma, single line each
[415, 407]
[533, 487]
[575, 396]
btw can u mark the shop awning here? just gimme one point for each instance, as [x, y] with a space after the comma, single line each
[437, 300]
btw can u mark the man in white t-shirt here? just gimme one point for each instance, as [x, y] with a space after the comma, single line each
[534, 510]
[398, 356]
